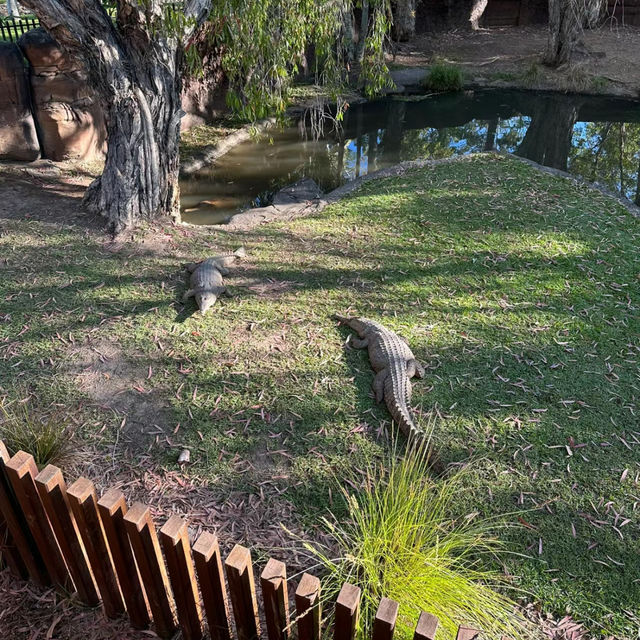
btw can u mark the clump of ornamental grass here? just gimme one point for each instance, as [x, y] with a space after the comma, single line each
[46, 435]
[444, 77]
[400, 541]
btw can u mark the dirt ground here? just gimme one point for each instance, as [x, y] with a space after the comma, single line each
[507, 56]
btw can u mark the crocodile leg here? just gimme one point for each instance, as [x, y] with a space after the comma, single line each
[225, 292]
[357, 343]
[192, 266]
[415, 369]
[223, 270]
[378, 384]
[189, 293]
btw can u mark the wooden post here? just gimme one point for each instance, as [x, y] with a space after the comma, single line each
[467, 633]
[308, 608]
[347, 612]
[21, 471]
[206, 553]
[53, 493]
[426, 627]
[112, 508]
[385, 621]
[174, 537]
[18, 526]
[276, 599]
[243, 593]
[83, 501]
[146, 549]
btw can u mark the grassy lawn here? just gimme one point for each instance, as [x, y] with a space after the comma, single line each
[519, 291]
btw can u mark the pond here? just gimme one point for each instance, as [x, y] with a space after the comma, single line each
[595, 137]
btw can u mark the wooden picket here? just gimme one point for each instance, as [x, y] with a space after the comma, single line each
[112, 555]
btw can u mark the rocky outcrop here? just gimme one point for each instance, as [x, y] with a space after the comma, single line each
[18, 138]
[69, 118]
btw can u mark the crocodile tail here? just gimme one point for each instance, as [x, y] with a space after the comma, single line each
[396, 393]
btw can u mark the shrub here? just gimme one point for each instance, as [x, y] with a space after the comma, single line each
[399, 541]
[47, 436]
[444, 77]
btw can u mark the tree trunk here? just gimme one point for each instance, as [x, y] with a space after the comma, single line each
[140, 177]
[404, 20]
[134, 65]
[595, 11]
[476, 13]
[565, 30]
[364, 30]
[13, 8]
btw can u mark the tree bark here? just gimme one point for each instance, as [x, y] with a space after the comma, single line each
[476, 13]
[565, 29]
[135, 67]
[595, 11]
[364, 30]
[404, 20]
[13, 9]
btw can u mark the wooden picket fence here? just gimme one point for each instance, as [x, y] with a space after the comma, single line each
[111, 555]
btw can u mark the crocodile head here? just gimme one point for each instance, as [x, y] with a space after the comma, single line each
[205, 300]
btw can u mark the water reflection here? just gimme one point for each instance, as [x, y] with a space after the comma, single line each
[596, 138]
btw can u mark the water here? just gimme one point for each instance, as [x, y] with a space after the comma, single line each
[594, 137]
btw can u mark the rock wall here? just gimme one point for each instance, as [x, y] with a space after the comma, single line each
[47, 108]
[69, 118]
[18, 138]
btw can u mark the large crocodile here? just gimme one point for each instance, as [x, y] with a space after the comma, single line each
[206, 278]
[394, 364]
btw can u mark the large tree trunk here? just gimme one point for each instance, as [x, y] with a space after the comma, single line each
[135, 67]
[476, 13]
[567, 19]
[140, 177]
[565, 30]
[404, 20]
[13, 9]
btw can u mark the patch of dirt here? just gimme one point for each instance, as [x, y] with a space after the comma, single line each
[501, 52]
[120, 385]
[44, 193]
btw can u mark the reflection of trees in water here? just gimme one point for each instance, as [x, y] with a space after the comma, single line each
[609, 152]
[548, 138]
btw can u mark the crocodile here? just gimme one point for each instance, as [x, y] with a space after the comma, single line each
[206, 278]
[394, 364]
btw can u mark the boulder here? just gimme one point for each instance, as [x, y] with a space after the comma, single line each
[18, 137]
[68, 114]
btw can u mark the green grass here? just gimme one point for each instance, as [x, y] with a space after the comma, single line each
[519, 291]
[444, 77]
[399, 541]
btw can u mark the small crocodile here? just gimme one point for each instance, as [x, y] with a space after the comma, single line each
[206, 278]
[394, 364]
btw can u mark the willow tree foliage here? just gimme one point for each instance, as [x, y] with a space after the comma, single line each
[268, 42]
[136, 61]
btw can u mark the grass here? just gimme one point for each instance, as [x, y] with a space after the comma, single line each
[519, 290]
[444, 77]
[399, 541]
[46, 435]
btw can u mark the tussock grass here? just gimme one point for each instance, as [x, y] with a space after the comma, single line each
[400, 541]
[444, 77]
[47, 436]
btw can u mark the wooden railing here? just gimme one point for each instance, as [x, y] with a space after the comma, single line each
[112, 556]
